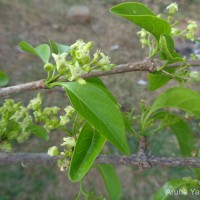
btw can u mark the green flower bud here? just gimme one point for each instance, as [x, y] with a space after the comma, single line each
[81, 81]
[49, 67]
[194, 75]
[35, 103]
[86, 68]
[108, 67]
[105, 60]
[55, 110]
[89, 45]
[53, 151]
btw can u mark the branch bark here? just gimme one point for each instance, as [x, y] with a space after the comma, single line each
[146, 65]
[43, 158]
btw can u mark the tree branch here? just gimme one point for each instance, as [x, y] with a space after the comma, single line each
[146, 65]
[22, 88]
[43, 158]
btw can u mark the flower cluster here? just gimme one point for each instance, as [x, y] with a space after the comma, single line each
[14, 120]
[78, 61]
[191, 30]
[143, 37]
[68, 144]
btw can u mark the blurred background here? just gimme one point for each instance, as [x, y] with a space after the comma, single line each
[65, 21]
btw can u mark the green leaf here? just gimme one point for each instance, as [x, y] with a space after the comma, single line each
[38, 131]
[142, 16]
[58, 48]
[178, 97]
[100, 83]
[111, 180]
[99, 110]
[3, 79]
[88, 147]
[157, 79]
[184, 136]
[42, 51]
[166, 45]
[165, 191]
[96, 81]
[180, 129]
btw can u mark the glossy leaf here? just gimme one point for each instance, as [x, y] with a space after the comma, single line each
[58, 48]
[42, 51]
[111, 181]
[88, 147]
[99, 82]
[38, 131]
[164, 192]
[99, 110]
[157, 79]
[184, 136]
[180, 129]
[178, 97]
[3, 79]
[166, 45]
[142, 16]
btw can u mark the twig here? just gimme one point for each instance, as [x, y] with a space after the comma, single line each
[142, 156]
[43, 158]
[22, 88]
[146, 65]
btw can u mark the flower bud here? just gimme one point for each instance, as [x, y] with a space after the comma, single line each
[53, 151]
[49, 67]
[81, 81]
[105, 60]
[194, 75]
[89, 45]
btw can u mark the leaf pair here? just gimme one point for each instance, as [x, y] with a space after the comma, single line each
[104, 121]
[88, 146]
[43, 51]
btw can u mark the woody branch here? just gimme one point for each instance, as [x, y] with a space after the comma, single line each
[43, 158]
[146, 65]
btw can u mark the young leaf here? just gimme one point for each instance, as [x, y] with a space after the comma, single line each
[157, 79]
[178, 97]
[99, 110]
[165, 191]
[88, 147]
[3, 79]
[111, 180]
[58, 48]
[142, 16]
[166, 45]
[42, 51]
[38, 131]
